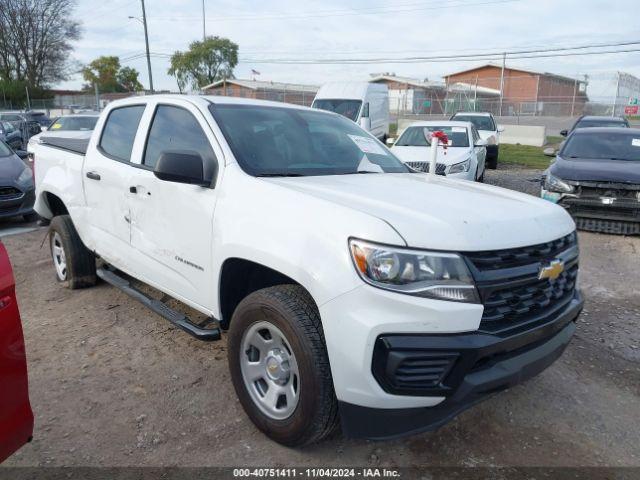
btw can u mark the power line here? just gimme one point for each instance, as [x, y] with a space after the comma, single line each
[342, 13]
[514, 54]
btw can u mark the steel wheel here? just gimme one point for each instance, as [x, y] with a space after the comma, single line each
[59, 257]
[269, 370]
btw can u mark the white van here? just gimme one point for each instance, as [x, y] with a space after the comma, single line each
[365, 103]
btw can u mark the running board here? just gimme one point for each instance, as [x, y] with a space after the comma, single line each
[180, 320]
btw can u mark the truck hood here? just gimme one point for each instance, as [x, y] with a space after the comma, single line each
[584, 169]
[421, 154]
[439, 213]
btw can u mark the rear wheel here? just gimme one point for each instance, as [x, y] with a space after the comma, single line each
[481, 177]
[75, 265]
[279, 365]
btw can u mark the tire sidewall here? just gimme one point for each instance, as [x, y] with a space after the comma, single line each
[254, 309]
[65, 246]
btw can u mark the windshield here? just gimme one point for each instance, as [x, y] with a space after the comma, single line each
[275, 141]
[601, 123]
[74, 123]
[346, 108]
[7, 127]
[480, 122]
[5, 151]
[603, 146]
[414, 136]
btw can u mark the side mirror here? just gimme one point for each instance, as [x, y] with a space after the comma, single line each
[390, 141]
[365, 123]
[22, 154]
[181, 167]
[549, 152]
[500, 129]
[481, 143]
[564, 133]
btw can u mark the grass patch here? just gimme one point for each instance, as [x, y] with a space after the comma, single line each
[524, 155]
[554, 141]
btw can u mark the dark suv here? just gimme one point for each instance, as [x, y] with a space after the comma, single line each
[593, 121]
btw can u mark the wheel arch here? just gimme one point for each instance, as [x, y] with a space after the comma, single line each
[50, 205]
[240, 277]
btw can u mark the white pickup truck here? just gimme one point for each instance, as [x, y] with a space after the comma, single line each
[353, 288]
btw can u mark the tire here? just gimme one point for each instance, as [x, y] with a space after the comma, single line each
[492, 162]
[481, 177]
[74, 264]
[288, 310]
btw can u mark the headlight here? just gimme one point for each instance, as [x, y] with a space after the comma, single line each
[438, 275]
[555, 184]
[26, 176]
[460, 167]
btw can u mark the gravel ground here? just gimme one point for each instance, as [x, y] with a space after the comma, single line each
[115, 385]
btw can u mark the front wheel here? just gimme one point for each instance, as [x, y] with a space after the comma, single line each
[75, 265]
[279, 365]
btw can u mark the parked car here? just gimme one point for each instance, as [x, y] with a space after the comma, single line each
[16, 416]
[463, 158]
[351, 286]
[41, 117]
[11, 135]
[596, 178]
[489, 131]
[593, 121]
[365, 103]
[17, 190]
[22, 122]
[77, 126]
[75, 122]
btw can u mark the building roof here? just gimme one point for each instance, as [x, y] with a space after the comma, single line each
[516, 69]
[469, 87]
[263, 85]
[409, 81]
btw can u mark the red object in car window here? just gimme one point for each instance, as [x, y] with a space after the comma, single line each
[16, 418]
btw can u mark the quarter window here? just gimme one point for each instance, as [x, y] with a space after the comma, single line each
[120, 131]
[174, 129]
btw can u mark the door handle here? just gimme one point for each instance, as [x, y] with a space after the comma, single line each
[93, 175]
[133, 190]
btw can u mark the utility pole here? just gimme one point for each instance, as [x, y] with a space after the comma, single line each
[573, 100]
[95, 86]
[615, 99]
[504, 60]
[146, 41]
[204, 29]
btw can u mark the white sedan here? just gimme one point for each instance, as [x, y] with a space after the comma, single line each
[464, 157]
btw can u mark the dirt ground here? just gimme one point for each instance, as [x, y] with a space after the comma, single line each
[113, 384]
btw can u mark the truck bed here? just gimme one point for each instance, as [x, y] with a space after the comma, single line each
[75, 145]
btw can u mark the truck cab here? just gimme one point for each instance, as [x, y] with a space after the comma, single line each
[365, 103]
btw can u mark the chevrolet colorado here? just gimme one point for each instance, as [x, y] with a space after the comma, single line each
[354, 290]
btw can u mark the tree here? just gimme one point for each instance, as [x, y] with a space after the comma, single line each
[204, 62]
[35, 40]
[106, 72]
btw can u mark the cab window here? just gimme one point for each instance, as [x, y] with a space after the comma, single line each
[119, 132]
[175, 129]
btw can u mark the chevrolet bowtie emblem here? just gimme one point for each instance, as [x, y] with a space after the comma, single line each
[551, 271]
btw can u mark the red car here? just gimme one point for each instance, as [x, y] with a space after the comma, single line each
[16, 417]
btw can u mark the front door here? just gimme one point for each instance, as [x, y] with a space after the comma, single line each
[171, 223]
[107, 176]
[16, 418]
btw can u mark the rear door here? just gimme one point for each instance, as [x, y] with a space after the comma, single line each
[171, 223]
[16, 418]
[107, 172]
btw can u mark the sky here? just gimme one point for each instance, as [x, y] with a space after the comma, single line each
[312, 30]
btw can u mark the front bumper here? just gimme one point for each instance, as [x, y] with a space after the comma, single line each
[18, 203]
[484, 364]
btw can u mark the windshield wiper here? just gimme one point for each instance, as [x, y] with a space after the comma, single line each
[281, 174]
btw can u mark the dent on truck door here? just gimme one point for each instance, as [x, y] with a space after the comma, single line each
[16, 418]
[171, 223]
